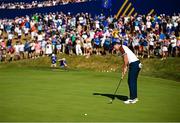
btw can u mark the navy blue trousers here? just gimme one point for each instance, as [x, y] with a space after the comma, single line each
[132, 78]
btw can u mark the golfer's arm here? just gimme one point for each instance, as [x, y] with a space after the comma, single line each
[125, 65]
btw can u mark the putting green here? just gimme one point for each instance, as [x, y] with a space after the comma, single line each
[56, 95]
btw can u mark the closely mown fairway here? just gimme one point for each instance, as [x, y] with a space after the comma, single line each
[56, 95]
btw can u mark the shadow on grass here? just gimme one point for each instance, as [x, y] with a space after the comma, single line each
[120, 97]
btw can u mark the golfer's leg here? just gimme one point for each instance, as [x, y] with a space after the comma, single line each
[136, 72]
[130, 82]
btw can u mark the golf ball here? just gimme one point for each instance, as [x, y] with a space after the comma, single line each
[85, 114]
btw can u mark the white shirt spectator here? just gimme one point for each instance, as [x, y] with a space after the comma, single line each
[135, 42]
[126, 19]
[40, 37]
[173, 42]
[143, 27]
[151, 41]
[81, 20]
[10, 36]
[49, 49]
[26, 30]
[21, 47]
[1, 26]
[169, 25]
[32, 46]
[92, 33]
[175, 24]
[84, 36]
[97, 24]
[148, 24]
[19, 32]
[16, 47]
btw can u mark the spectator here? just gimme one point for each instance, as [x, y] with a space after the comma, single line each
[21, 50]
[173, 45]
[63, 63]
[17, 51]
[49, 49]
[78, 46]
[53, 61]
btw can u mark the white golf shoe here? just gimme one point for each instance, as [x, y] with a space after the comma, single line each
[130, 101]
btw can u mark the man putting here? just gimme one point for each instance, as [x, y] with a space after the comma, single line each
[129, 59]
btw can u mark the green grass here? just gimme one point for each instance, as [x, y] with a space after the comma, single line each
[31, 91]
[41, 94]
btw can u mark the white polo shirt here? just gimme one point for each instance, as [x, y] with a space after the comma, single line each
[131, 56]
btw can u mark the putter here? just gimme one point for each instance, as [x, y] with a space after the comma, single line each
[111, 101]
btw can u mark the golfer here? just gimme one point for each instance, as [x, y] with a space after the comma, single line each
[130, 60]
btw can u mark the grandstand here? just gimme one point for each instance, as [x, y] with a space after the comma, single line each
[119, 7]
[13, 1]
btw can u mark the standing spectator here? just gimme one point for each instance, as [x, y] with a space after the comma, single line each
[178, 46]
[58, 45]
[1, 54]
[32, 45]
[19, 31]
[97, 44]
[21, 50]
[151, 46]
[135, 44]
[165, 44]
[107, 44]
[78, 46]
[49, 49]
[3, 44]
[88, 46]
[37, 49]
[17, 52]
[43, 47]
[11, 53]
[69, 45]
[173, 45]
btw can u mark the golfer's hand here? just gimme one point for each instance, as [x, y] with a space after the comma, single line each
[124, 70]
[122, 76]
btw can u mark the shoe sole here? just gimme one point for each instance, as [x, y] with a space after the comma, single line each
[132, 102]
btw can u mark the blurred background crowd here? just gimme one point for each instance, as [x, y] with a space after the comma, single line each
[36, 4]
[38, 35]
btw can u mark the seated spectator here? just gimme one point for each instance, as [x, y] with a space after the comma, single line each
[63, 63]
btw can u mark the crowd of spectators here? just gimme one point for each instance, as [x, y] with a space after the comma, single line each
[36, 4]
[44, 34]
